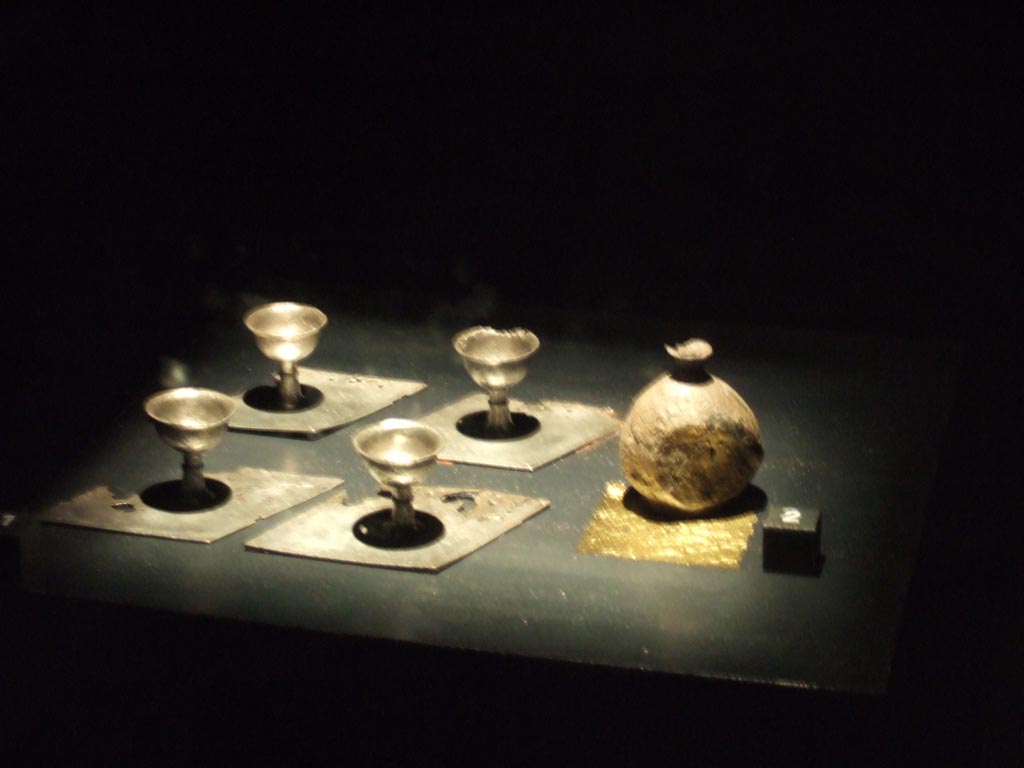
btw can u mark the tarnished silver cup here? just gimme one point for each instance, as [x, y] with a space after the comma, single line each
[191, 421]
[496, 360]
[286, 332]
[399, 454]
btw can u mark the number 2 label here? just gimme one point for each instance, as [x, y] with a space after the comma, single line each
[790, 515]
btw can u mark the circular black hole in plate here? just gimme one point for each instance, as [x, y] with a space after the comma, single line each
[267, 398]
[378, 530]
[168, 497]
[475, 425]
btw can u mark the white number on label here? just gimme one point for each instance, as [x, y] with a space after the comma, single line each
[790, 515]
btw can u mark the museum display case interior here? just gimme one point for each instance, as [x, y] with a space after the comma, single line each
[382, 386]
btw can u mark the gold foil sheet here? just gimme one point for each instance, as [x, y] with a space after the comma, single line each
[624, 526]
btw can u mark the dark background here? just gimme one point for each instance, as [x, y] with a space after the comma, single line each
[839, 170]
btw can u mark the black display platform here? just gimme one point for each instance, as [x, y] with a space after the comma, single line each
[851, 424]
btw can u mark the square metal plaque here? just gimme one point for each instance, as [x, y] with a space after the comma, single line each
[471, 519]
[347, 397]
[255, 494]
[565, 427]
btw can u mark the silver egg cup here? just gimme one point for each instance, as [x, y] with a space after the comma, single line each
[286, 333]
[191, 421]
[399, 454]
[496, 360]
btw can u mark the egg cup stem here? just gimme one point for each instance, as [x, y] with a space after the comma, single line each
[193, 484]
[288, 384]
[402, 512]
[499, 417]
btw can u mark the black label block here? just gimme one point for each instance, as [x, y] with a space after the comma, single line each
[792, 540]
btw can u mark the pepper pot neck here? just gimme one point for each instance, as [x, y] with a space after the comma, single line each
[689, 358]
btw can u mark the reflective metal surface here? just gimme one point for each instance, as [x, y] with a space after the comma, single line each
[347, 397]
[564, 428]
[255, 494]
[286, 333]
[497, 361]
[471, 518]
[399, 453]
[191, 421]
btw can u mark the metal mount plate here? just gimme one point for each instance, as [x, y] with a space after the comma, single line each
[348, 397]
[255, 494]
[565, 427]
[472, 518]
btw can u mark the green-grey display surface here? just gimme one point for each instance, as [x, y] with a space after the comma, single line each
[851, 425]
